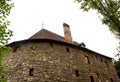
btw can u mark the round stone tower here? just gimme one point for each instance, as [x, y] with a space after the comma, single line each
[47, 57]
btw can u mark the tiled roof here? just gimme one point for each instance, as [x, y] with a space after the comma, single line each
[45, 34]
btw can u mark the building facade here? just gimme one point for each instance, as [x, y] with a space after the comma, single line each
[48, 57]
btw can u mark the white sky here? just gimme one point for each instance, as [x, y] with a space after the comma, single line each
[27, 16]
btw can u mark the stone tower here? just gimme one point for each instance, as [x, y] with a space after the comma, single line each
[47, 57]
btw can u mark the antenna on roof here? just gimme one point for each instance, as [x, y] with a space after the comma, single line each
[42, 24]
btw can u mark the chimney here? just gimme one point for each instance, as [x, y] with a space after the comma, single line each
[67, 33]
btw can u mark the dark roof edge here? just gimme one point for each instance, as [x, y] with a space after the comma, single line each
[51, 40]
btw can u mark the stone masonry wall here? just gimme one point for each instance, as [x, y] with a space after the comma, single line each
[52, 62]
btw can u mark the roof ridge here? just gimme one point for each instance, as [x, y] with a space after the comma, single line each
[46, 34]
[53, 33]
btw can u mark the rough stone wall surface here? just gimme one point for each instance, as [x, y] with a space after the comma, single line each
[51, 62]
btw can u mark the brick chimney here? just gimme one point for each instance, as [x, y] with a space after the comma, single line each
[67, 33]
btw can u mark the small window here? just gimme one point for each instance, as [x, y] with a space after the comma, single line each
[98, 75]
[32, 48]
[15, 48]
[87, 59]
[91, 79]
[111, 80]
[31, 70]
[107, 64]
[101, 60]
[51, 44]
[76, 73]
[96, 56]
[67, 49]
[90, 70]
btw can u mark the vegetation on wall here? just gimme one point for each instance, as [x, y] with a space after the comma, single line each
[5, 33]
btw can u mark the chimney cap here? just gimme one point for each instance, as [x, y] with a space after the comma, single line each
[64, 24]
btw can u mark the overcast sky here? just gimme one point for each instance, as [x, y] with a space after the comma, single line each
[27, 16]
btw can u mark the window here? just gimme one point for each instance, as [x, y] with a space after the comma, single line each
[96, 56]
[15, 48]
[51, 44]
[107, 64]
[111, 80]
[91, 79]
[76, 73]
[31, 70]
[87, 59]
[67, 49]
[101, 60]
[98, 75]
[90, 70]
[32, 48]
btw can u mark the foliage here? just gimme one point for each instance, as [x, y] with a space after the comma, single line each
[110, 16]
[5, 33]
[109, 10]
[118, 49]
[117, 66]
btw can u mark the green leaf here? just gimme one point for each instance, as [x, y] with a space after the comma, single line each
[5, 33]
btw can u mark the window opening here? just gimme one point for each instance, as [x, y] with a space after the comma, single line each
[101, 60]
[87, 59]
[15, 48]
[106, 64]
[111, 79]
[67, 49]
[31, 70]
[98, 75]
[32, 48]
[96, 56]
[91, 79]
[90, 70]
[51, 44]
[76, 73]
